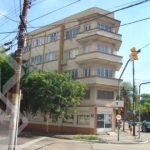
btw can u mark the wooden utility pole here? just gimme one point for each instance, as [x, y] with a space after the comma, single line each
[16, 87]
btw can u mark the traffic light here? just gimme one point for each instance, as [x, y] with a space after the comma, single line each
[134, 53]
[121, 110]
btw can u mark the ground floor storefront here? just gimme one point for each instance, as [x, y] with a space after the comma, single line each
[87, 120]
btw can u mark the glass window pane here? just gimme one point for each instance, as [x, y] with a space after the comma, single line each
[100, 124]
[100, 117]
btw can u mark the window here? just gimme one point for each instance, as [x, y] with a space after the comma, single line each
[69, 119]
[52, 37]
[104, 72]
[38, 41]
[87, 94]
[36, 59]
[51, 56]
[70, 53]
[74, 73]
[105, 94]
[104, 120]
[104, 49]
[104, 27]
[87, 72]
[72, 33]
[87, 27]
[26, 48]
[86, 49]
[83, 119]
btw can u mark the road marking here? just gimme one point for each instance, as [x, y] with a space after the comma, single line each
[28, 144]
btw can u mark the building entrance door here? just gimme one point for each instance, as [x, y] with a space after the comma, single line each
[104, 122]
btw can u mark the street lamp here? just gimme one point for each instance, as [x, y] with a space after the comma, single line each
[140, 103]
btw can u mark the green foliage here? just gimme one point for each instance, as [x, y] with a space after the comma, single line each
[87, 137]
[51, 92]
[144, 96]
[7, 72]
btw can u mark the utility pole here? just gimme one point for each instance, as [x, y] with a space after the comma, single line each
[134, 56]
[16, 87]
[133, 102]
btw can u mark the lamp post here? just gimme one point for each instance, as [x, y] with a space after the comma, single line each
[140, 103]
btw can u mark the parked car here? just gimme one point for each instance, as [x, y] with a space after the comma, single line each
[145, 126]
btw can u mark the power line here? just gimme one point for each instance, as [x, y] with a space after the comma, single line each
[8, 32]
[103, 14]
[15, 10]
[107, 13]
[54, 11]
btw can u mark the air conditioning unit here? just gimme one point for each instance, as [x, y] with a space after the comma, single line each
[35, 66]
[119, 103]
[64, 62]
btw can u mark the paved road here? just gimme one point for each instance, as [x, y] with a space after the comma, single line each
[46, 143]
[60, 144]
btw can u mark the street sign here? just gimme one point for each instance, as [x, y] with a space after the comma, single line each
[118, 117]
[131, 111]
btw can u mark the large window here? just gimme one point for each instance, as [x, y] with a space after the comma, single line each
[36, 59]
[52, 37]
[104, 49]
[74, 73]
[87, 72]
[51, 56]
[70, 53]
[26, 48]
[86, 49]
[83, 119]
[69, 119]
[104, 27]
[38, 41]
[72, 33]
[105, 94]
[104, 72]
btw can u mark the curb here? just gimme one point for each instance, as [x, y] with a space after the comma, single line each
[143, 142]
[102, 141]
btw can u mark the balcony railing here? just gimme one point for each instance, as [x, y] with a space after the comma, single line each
[97, 34]
[102, 81]
[99, 57]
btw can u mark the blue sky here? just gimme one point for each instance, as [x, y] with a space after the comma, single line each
[134, 35]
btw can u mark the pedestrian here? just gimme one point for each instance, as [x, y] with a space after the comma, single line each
[130, 128]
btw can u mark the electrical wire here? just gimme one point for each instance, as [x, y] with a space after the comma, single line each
[15, 11]
[74, 20]
[37, 3]
[54, 11]
[117, 10]
[8, 18]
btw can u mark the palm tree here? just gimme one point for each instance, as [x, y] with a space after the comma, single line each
[126, 95]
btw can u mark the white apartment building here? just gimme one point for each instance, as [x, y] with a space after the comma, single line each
[85, 44]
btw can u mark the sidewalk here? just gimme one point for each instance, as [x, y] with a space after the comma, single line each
[110, 137]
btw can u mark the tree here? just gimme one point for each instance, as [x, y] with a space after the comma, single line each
[6, 73]
[145, 109]
[126, 94]
[51, 93]
[144, 96]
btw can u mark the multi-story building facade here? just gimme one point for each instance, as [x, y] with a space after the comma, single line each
[86, 45]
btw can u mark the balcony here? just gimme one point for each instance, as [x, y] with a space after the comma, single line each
[102, 35]
[100, 57]
[102, 81]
